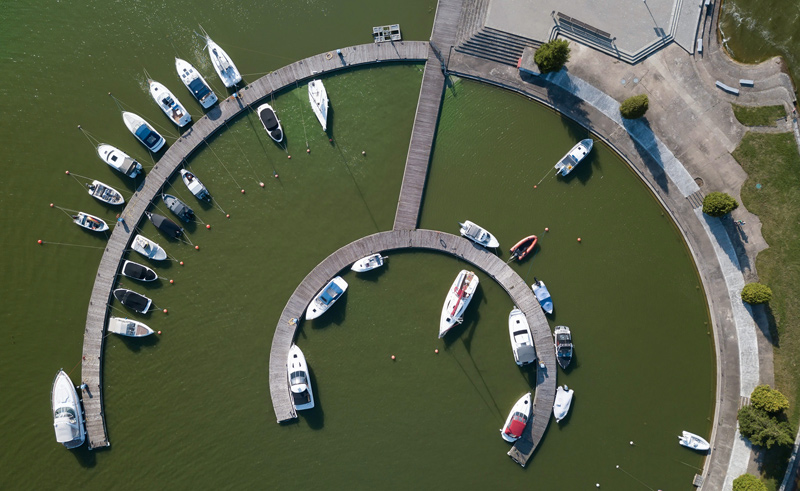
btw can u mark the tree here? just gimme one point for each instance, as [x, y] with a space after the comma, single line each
[717, 204]
[553, 55]
[756, 293]
[634, 107]
[764, 430]
[768, 400]
[748, 482]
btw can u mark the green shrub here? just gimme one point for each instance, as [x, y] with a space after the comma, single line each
[748, 482]
[764, 430]
[634, 107]
[718, 204]
[768, 400]
[553, 55]
[756, 293]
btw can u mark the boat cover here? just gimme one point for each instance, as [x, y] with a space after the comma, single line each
[330, 293]
[517, 425]
[132, 299]
[138, 272]
[198, 88]
[268, 119]
[526, 353]
[166, 225]
[178, 207]
[126, 166]
[473, 231]
[65, 425]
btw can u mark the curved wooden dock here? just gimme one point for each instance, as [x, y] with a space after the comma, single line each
[196, 135]
[479, 257]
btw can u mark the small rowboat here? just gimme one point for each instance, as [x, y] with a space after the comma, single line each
[195, 186]
[128, 327]
[138, 271]
[542, 295]
[695, 442]
[89, 222]
[148, 248]
[119, 160]
[134, 301]
[178, 207]
[368, 263]
[563, 402]
[524, 247]
[105, 193]
[170, 228]
[517, 419]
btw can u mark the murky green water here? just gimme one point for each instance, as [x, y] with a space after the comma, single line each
[756, 30]
[191, 408]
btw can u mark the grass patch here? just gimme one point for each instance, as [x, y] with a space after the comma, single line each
[758, 115]
[772, 161]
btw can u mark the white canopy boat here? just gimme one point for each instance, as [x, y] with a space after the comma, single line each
[134, 301]
[695, 442]
[89, 222]
[368, 263]
[143, 132]
[67, 412]
[299, 380]
[225, 68]
[574, 157]
[196, 84]
[521, 338]
[478, 234]
[168, 103]
[542, 295]
[148, 248]
[128, 327]
[178, 207]
[517, 419]
[318, 97]
[105, 193]
[563, 402]
[119, 160]
[457, 300]
[138, 271]
[195, 186]
[563, 344]
[332, 292]
[271, 123]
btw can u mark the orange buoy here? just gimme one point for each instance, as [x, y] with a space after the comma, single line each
[393, 357]
[159, 332]
[181, 263]
[165, 311]
[276, 175]
[40, 241]
[261, 184]
[330, 140]
[535, 186]
[579, 239]
[436, 351]
[197, 248]
[208, 226]
[289, 156]
[363, 152]
[242, 191]
[228, 215]
[171, 282]
[547, 229]
[51, 205]
[308, 150]
[67, 172]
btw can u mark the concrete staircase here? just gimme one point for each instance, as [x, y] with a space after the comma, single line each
[497, 46]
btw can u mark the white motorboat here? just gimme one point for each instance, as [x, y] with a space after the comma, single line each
[138, 271]
[563, 402]
[105, 193]
[119, 160]
[67, 412]
[318, 97]
[521, 338]
[457, 300]
[563, 344]
[299, 380]
[196, 84]
[332, 292]
[178, 207]
[695, 442]
[128, 327]
[148, 248]
[478, 234]
[517, 419]
[542, 295]
[195, 186]
[168, 103]
[134, 301]
[574, 157]
[143, 132]
[225, 68]
[368, 263]
[89, 222]
[271, 123]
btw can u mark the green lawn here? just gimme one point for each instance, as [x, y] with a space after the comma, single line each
[772, 161]
[758, 115]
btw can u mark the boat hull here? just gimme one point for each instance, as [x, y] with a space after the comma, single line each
[478, 234]
[299, 380]
[521, 338]
[543, 296]
[367, 263]
[325, 299]
[134, 301]
[148, 248]
[195, 83]
[195, 186]
[90, 222]
[524, 247]
[138, 271]
[143, 131]
[270, 122]
[562, 403]
[563, 343]
[128, 327]
[105, 193]
[574, 157]
[119, 160]
[169, 104]
[165, 225]
[512, 430]
[68, 421]
[457, 300]
[695, 442]
[223, 64]
[178, 207]
[318, 97]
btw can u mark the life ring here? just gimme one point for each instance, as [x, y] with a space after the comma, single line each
[328, 55]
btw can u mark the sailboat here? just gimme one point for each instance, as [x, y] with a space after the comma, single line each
[458, 297]
[318, 97]
[225, 68]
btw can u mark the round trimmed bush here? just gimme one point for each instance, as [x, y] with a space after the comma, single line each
[718, 204]
[551, 56]
[768, 399]
[748, 482]
[756, 293]
[634, 107]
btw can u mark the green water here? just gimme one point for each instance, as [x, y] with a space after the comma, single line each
[756, 30]
[191, 408]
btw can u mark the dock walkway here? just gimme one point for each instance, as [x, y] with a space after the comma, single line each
[195, 136]
[496, 268]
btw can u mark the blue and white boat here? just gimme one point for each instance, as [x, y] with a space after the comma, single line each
[143, 132]
[542, 295]
[569, 161]
[196, 84]
[332, 292]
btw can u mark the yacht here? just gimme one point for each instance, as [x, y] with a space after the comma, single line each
[517, 419]
[299, 380]
[119, 160]
[318, 97]
[574, 157]
[332, 292]
[143, 132]
[168, 103]
[521, 338]
[67, 412]
[563, 344]
[225, 68]
[128, 327]
[368, 263]
[196, 84]
[478, 234]
[457, 300]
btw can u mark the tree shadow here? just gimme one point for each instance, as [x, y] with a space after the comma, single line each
[772, 463]
[738, 238]
[723, 237]
[646, 145]
[765, 320]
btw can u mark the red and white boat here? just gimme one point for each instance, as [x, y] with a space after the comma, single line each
[457, 300]
[517, 419]
[524, 247]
